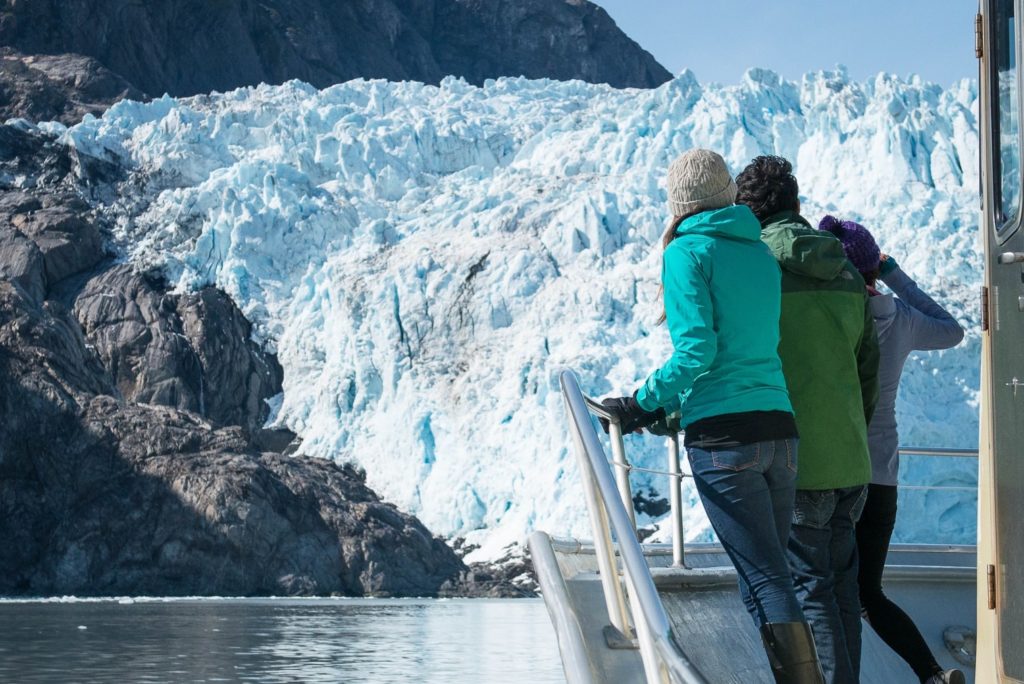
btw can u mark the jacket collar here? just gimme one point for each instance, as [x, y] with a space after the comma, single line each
[788, 216]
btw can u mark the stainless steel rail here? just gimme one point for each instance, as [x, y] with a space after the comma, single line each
[904, 451]
[623, 467]
[675, 475]
[571, 643]
[663, 661]
[938, 451]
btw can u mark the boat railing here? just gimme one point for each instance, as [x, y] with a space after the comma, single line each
[609, 502]
[614, 528]
[676, 475]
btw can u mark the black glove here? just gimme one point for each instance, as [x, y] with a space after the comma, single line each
[631, 416]
[669, 426]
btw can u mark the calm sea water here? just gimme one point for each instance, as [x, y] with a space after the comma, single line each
[278, 640]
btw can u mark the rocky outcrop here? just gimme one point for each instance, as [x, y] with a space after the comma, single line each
[509, 576]
[59, 87]
[49, 233]
[185, 47]
[130, 456]
[69, 244]
[558, 39]
[103, 498]
[191, 351]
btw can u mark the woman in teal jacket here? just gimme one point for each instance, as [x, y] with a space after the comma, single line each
[722, 304]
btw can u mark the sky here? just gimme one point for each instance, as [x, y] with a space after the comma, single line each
[720, 39]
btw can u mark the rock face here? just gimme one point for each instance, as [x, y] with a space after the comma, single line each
[102, 498]
[192, 351]
[130, 453]
[558, 39]
[57, 87]
[184, 47]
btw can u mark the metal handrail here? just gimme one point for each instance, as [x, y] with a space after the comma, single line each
[623, 468]
[938, 451]
[903, 451]
[571, 642]
[675, 475]
[661, 657]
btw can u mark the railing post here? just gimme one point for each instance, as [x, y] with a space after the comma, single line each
[621, 470]
[676, 495]
[654, 668]
[614, 597]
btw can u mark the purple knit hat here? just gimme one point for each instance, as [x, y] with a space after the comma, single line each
[861, 248]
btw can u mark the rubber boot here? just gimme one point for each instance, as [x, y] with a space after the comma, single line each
[791, 652]
[947, 677]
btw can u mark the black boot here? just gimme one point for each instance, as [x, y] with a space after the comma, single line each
[791, 652]
[947, 677]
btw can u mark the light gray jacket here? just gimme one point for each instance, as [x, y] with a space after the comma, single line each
[909, 321]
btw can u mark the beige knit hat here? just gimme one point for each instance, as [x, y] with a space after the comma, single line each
[697, 181]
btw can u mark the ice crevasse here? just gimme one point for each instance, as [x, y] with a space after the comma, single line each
[424, 260]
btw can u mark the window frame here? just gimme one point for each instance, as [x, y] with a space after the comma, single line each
[1005, 226]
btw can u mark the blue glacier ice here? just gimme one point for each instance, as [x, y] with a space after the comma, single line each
[424, 260]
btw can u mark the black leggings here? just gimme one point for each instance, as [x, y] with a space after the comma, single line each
[887, 619]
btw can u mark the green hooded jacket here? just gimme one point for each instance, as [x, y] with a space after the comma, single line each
[829, 352]
[722, 307]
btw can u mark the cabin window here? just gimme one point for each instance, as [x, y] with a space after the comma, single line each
[1007, 123]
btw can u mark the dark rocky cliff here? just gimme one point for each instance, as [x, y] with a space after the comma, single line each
[61, 87]
[184, 47]
[131, 455]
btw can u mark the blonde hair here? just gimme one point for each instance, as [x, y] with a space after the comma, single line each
[666, 239]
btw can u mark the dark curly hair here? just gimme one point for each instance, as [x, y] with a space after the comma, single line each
[768, 186]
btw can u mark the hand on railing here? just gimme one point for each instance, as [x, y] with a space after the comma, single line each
[629, 414]
[669, 426]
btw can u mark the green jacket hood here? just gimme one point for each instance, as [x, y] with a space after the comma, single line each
[736, 222]
[801, 249]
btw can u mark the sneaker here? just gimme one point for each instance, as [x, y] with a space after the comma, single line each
[947, 677]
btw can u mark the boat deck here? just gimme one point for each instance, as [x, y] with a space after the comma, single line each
[935, 585]
[671, 614]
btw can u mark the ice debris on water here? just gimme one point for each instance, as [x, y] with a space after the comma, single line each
[424, 260]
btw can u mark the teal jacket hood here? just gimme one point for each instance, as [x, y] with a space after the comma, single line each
[736, 222]
[801, 249]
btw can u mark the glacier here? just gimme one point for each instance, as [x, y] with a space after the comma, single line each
[425, 259]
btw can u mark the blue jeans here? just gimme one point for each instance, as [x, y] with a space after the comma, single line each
[823, 557]
[747, 492]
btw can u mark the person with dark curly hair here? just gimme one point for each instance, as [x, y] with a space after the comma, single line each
[829, 354]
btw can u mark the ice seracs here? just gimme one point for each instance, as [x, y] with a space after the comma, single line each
[425, 259]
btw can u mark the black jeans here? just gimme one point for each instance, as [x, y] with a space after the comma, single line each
[887, 619]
